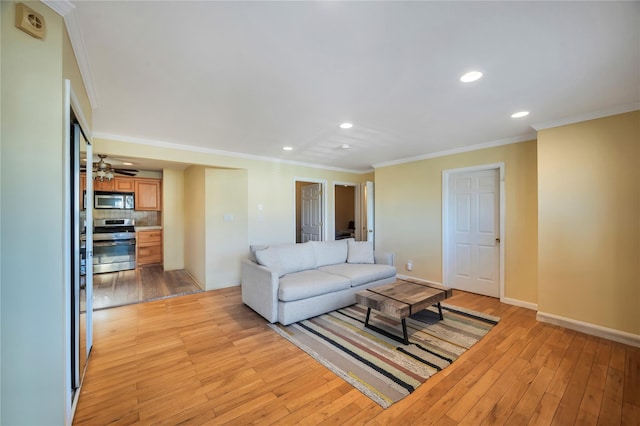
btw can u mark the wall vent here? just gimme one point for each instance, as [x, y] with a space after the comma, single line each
[30, 21]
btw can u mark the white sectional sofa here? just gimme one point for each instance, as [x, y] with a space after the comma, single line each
[287, 283]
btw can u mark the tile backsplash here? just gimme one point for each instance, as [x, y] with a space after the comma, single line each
[142, 218]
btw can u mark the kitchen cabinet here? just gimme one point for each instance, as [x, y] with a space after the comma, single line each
[123, 184]
[103, 185]
[148, 247]
[147, 192]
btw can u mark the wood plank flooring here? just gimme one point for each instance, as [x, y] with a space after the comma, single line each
[207, 359]
[139, 285]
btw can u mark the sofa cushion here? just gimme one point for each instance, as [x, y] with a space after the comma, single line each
[253, 248]
[287, 258]
[360, 252]
[361, 273]
[330, 252]
[304, 284]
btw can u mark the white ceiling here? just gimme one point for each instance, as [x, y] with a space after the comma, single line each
[251, 77]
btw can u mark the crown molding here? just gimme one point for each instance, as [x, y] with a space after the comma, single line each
[61, 7]
[66, 9]
[191, 148]
[586, 117]
[484, 145]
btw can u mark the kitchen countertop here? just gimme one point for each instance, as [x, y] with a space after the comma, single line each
[147, 228]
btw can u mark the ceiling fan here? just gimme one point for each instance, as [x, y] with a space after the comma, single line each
[103, 170]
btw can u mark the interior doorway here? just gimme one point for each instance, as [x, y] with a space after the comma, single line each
[473, 229]
[310, 210]
[345, 210]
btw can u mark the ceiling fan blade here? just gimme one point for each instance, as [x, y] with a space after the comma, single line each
[126, 172]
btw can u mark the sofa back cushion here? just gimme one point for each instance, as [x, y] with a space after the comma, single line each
[360, 252]
[287, 258]
[330, 252]
[253, 248]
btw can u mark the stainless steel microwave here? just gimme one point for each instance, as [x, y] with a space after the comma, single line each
[113, 200]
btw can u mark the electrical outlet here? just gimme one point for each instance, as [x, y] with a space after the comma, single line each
[409, 265]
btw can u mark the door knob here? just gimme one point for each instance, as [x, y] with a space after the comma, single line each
[498, 240]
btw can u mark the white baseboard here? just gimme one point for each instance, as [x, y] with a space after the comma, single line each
[583, 327]
[521, 303]
[516, 302]
[595, 330]
[420, 280]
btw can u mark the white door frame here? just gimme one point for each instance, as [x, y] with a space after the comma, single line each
[71, 397]
[323, 210]
[446, 238]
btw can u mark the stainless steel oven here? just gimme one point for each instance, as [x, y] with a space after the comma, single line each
[114, 245]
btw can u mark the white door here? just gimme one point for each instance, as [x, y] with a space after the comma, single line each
[311, 212]
[367, 220]
[474, 227]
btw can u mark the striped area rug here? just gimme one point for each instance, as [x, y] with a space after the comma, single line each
[380, 367]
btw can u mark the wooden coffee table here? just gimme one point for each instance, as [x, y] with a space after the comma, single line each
[401, 299]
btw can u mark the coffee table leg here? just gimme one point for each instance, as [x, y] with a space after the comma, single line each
[405, 337]
[440, 311]
[404, 331]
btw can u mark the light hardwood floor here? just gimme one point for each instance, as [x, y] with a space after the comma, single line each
[208, 359]
[139, 285]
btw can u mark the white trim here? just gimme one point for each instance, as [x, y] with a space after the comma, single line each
[592, 329]
[66, 255]
[521, 303]
[508, 141]
[61, 7]
[420, 280]
[82, 59]
[66, 9]
[203, 150]
[586, 117]
[446, 174]
[323, 184]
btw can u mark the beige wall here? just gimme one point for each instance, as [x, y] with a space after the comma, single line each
[226, 223]
[71, 71]
[408, 209]
[194, 224]
[33, 306]
[270, 184]
[173, 230]
[589, 222]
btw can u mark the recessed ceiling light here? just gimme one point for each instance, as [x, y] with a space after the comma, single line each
[127, 164]
[287, 148]
[471, 76]
[346, 125]
[345, 146]
[520, 114]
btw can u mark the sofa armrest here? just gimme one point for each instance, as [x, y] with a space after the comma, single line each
[383, 257]
[260, 289]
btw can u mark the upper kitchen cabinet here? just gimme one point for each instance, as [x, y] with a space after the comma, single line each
[103, 185]
[147, 193]
[123, 184]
